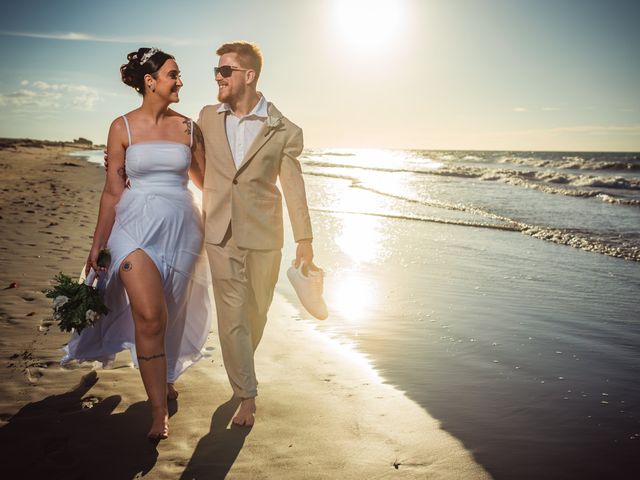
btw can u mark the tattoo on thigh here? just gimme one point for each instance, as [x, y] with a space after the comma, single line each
[127, 266]
[152, 357]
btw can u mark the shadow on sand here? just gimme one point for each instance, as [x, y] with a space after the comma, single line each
[60, 437]
[217, 451]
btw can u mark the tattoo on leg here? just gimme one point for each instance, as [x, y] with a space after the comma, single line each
[127, 266]
[152, 357]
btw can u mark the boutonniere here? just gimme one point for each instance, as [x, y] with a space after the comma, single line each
[272, 123]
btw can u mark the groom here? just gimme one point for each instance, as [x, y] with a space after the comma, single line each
[249, 144]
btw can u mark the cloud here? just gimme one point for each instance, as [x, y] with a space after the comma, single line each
[587, 130]
[600, 129]
[51, 96]
[30, 98]
[87, 37]
[544, 109]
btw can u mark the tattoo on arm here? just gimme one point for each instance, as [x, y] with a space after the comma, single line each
[187, 123]
[152, 357]
[198, 137]
[121, 172]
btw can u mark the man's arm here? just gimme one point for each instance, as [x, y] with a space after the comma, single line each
[196, 169]
[296, 198]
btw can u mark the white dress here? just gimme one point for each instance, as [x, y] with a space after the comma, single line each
[157, 214]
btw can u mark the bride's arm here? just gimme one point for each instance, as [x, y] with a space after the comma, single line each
[196, 170]
[113, 187]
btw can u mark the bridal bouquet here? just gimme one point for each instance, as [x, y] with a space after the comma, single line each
[77, 305]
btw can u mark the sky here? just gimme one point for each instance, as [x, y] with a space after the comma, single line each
[418, 74]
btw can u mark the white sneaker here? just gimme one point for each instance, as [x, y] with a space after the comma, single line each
[309, 290]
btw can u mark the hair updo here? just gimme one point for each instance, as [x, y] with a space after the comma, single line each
[133, 72]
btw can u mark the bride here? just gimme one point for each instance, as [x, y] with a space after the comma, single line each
[156, 287]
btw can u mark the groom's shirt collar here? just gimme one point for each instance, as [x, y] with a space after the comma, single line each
[259, 111]
[242, 131]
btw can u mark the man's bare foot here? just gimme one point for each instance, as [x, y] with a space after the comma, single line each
[159, 424]
[246, 412]
[172, 393]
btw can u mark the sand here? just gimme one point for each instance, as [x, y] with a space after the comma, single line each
[323, 412]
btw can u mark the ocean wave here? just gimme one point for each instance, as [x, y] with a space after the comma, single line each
[356, 183]
[546, 176]
[573, 185]
[630, 163]
[331, 154]
[624, 246]
[421, 218]
[484, 173]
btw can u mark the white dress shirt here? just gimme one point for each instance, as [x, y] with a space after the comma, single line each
[242, 131]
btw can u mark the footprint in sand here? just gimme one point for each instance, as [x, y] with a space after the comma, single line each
[33, 376]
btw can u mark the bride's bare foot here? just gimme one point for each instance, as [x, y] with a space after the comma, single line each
[246, 412]
[172, 393]
[159, 424]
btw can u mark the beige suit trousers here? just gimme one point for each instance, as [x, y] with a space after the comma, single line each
[243, 284]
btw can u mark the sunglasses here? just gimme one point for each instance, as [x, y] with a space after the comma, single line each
[226, 70]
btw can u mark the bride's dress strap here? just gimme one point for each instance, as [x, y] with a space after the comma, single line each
[126, 122]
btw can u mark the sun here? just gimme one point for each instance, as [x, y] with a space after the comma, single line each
[368, 25]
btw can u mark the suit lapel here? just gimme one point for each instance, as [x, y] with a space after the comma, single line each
[220, 133]
[263, 137]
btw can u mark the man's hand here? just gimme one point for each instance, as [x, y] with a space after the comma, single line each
[304, 254]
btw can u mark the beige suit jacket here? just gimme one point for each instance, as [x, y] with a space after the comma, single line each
[247, 197]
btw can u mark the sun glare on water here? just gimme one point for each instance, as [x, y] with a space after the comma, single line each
[368, 24]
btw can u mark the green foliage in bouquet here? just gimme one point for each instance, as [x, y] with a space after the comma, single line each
[77, 306]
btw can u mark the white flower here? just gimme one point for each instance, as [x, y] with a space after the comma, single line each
[60, 301]
[272, 123]
[91, 316]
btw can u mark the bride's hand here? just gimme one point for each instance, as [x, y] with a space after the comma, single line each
[92, 261]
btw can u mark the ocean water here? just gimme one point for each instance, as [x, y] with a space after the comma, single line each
[589, 201]
[499, 290]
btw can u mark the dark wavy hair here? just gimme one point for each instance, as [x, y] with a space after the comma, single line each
[133, 73]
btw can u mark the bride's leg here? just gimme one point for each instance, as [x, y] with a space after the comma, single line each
[143, 284]
[172, 393]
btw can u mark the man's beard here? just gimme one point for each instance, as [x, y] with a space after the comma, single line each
[223, 96]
